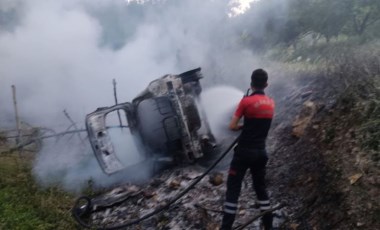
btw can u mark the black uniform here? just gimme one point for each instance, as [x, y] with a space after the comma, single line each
[250, 153]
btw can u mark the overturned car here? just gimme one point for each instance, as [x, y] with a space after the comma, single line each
[166, 120]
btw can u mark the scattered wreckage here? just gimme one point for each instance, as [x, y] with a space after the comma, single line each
[166, 118]
[123, 207]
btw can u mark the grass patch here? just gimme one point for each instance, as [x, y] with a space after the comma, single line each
[24, 205]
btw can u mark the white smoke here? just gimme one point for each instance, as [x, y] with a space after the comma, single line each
[58, 58]
[220, 104]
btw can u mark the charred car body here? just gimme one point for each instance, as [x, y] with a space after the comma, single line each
[166, 118]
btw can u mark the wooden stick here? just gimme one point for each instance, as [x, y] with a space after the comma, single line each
[207, 209]
[115, 96]
[21, 145]
[73, 124]
[16, 114]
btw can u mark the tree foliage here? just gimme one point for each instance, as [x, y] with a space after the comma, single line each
[286, 22]
[363, 14]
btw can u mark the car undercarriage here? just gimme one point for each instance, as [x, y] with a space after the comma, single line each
[166, 120]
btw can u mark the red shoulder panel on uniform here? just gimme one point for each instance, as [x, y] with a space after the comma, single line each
[256, 106]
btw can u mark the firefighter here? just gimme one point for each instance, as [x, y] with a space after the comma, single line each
[257, 110]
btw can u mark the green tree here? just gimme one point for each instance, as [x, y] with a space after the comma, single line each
[363, 14]
[323, 17]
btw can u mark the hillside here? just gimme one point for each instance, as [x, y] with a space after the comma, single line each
[325, 161]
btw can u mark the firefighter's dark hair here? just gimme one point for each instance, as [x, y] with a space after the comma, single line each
[259, 78]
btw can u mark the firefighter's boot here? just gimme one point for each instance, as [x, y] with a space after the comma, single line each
[227, 222]
[268, 221]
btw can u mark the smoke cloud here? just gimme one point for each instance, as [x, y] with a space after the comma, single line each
[64, 54]
[219, 104]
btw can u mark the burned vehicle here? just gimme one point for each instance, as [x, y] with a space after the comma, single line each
[166, 121]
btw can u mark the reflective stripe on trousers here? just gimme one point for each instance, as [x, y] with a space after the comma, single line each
[264, 205]
[230, 208]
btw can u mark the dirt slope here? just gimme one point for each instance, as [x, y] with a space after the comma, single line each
[325, 160]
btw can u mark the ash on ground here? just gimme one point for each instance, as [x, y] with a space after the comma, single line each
[200, 208]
